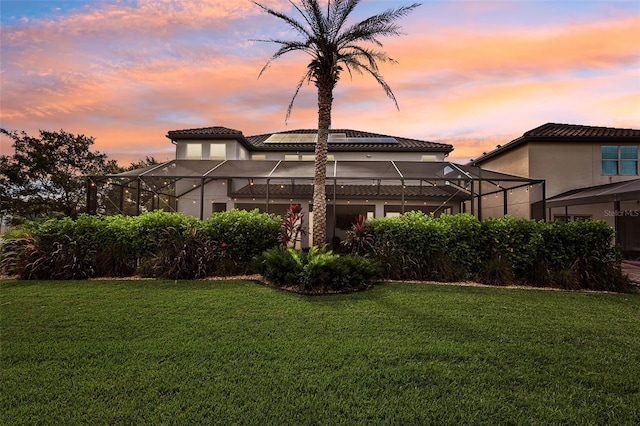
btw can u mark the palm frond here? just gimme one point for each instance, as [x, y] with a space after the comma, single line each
[374, 27]
[287, 46]
[306, 77]
[339, 11]
[361, 68]
[292, 22]
[316, 20]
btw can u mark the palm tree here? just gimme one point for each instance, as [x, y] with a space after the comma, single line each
[333, 46]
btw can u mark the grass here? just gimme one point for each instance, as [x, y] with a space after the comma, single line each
[235, 352]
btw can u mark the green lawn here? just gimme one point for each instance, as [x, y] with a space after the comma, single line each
[235, 352]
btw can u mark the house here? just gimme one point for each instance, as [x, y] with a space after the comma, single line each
[590, 172]
[217, 169]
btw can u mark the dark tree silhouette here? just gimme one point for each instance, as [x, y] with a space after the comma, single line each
[46, 175]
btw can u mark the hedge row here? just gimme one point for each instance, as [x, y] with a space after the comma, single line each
[574, 255]
[415, 246]
[158, 244]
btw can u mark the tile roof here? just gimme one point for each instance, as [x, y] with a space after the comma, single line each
[403, 144]
[257, 142]
[554, 132]
[356, 191]
[203, 131]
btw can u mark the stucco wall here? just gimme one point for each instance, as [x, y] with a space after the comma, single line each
[513, 162]
[568, 166]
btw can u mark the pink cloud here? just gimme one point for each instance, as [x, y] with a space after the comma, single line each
[127, 75]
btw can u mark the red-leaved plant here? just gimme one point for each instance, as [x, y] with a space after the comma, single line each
[359, 239]
[291, 226]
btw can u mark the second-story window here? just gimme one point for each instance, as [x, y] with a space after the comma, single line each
[218, 151]
[619, 160]
[194, 151]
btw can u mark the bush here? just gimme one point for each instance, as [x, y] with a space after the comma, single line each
[318, 271]
[500, 251]
[25, 258]
[167, 244]
[181, 254]
[244, 234]
[281, 266]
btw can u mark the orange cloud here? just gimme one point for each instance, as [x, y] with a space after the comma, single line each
[127, 74]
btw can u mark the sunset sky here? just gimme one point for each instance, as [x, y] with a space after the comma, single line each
[470, 73]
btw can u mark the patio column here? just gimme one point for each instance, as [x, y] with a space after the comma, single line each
[266, 209]
[473, 210]
[544, 198]
[616, 220]
[202, 199]
[505, 201]
[138, 197]
[480, 200]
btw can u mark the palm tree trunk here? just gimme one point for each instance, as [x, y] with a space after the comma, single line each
[325, 101]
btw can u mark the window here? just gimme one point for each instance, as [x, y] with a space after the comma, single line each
[194, 151]
[218, 207]
[619, 160]
[218, 151]
[291, 157]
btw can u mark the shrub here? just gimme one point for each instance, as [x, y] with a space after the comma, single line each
[291, 226]
[245, 234]
[116, 245]
[281, 266]
[359, 239]
[499, 251]
[497, 271]
[320, 270]
[355, 273]
[181, 254]
[26, 259]
[147, 228]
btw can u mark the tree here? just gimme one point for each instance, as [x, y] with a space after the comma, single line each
[334, 46]
[46, 174]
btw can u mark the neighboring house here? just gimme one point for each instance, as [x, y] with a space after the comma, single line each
[590, 172]
[217, 169]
